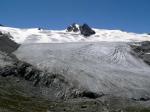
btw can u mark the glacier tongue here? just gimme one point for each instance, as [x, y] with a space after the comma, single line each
[36, 35]
[106, 67]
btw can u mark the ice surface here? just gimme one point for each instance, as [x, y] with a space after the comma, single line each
[106, 67]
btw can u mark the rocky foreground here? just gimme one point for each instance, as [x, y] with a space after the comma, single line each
[25, 88]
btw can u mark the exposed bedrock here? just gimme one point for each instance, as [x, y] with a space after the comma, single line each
[6, 44]
[142, 50]
[84, 29]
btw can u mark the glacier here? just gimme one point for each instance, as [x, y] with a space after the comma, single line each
[34, 35]
[102, 67]
[103, 64]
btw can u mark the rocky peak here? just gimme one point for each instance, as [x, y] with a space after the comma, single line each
[83, 29]
[86, 30]
[73, 28]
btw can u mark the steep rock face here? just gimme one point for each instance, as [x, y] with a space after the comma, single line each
[5, 59]
[86, 30]
[74, 27]
[6, 44]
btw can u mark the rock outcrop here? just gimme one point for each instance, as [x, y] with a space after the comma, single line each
[6, 44]
[73, 28]
[142, 50]
[84, 29]
[55, 84]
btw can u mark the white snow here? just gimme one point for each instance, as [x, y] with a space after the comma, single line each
[34, 35]
[78, 26]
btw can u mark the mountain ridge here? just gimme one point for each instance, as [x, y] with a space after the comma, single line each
[36, 35]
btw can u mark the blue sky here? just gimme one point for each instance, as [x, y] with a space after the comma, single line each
[128, 15]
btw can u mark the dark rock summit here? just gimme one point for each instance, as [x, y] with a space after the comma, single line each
[84, 29]
[73, 28]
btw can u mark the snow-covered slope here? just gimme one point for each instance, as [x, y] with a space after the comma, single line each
[103, 67]
[101, 63]
[34, 35]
